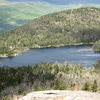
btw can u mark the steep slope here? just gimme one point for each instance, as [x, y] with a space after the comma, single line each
[67, 27]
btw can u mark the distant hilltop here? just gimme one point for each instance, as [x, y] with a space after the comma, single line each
[15, 13]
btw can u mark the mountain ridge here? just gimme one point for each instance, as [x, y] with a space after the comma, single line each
[16, 14]
[60, 2]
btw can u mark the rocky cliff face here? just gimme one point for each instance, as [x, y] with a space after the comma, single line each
[61, 95]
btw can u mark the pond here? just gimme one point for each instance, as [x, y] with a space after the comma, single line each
[70, 54]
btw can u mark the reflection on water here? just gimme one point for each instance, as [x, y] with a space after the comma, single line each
[71, 54]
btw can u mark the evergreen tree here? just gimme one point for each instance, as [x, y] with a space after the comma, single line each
[86, 87]
[94, 86]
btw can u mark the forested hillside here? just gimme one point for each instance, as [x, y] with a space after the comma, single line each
[47, 76]
[67, 27]
[14, 13]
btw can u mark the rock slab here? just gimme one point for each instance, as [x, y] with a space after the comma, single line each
[61, 95]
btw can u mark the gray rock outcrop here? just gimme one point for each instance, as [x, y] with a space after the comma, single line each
[61, 95]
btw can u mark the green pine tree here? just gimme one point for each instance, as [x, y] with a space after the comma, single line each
[86, 87]
[94, 86]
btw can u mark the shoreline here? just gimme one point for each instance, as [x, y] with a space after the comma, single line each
[61, 45]
[49, 46]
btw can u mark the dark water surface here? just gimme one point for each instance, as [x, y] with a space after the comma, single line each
[70, 54]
